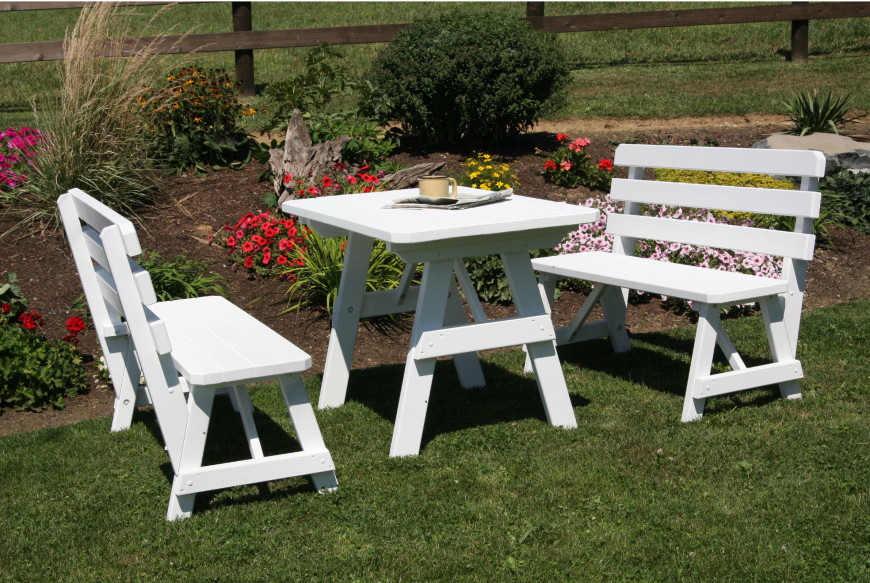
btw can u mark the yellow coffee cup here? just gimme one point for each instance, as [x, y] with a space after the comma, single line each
[437, 186]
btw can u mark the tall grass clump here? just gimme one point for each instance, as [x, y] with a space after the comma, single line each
[95, 136]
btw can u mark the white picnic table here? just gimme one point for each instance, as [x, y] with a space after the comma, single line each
[440, 239]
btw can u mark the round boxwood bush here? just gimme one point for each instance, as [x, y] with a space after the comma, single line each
[471, 79]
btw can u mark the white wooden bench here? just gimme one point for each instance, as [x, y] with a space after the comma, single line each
[709, 290]
[188, 350]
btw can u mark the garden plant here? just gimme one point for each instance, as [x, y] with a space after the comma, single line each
[194, 120]
[35, 372]
[811, 112]
[495, 78]
[571, 166]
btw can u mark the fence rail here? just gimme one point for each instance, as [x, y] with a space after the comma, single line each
[243, 41]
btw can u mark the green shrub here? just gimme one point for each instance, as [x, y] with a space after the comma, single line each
[813, 113]
[36, 372]
[489, 279]
[853, 188]
[12, 304]
[316, 271]
[179, 277]
[194, 122]
[322, 77]
[369, 143]
[470, 79]
[310, 91]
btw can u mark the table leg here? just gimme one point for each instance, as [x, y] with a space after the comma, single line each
[345, 321]
[417, 381]
[544, 359]
[467, 365]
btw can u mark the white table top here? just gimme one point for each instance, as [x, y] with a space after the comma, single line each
[365, 214]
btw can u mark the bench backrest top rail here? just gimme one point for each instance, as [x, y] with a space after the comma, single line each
[770, 201]
[809, 163]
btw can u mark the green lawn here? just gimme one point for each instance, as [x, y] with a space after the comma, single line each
[700, 70]
[760, 489]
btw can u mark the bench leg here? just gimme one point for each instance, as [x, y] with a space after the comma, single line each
[305, 424]
[199, 414]
[242, 400]
[613, 305]
[702, 358]
[782, 347]
[124, 372]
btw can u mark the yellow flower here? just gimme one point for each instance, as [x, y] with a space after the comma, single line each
[197, 119]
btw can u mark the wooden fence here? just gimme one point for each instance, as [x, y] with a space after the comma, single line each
[243, 40]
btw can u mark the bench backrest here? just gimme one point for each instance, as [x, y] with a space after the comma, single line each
[802, 204]
[118, 291]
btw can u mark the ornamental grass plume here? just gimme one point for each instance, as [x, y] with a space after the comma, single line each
[95, 136]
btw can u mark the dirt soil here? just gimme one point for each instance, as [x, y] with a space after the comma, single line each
[191, 208]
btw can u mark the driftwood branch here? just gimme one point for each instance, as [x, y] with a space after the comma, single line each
[302, 160]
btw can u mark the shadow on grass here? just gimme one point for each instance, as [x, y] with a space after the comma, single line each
[661, 362]
[507, 397]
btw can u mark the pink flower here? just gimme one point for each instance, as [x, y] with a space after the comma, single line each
[579, 144]
[566, 165]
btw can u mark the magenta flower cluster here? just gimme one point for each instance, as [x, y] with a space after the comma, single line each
[592, 237]
[17, 147]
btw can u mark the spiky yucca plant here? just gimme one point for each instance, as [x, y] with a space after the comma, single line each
[813, 113]
[95, 132]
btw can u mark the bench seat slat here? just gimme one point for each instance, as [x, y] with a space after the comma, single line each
[671, 279]
[767, 241]
[744, 160]
[214, 342]
[770, 201]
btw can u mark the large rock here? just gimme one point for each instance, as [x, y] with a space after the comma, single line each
[841, 152]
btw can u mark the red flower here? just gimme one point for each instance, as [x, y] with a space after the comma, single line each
[351, 179]
[281, 260]
[605, 164]
[6, 308]
[231, 242]
[75, 324]
[327, 181]
[249, 262]
[247, 247]
[561, 137]
[549, 165]
[287, 179]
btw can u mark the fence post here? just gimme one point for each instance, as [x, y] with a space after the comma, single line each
[244, 58]
[534, 13]
[800, 39]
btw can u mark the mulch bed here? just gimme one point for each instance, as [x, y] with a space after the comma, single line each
[192, 208]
